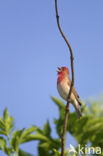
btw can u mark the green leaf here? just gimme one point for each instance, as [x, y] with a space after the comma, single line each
[7, 150]
[22, 153]
[33, 137]
[29, 131]
[5, 115]
[44, 145]
[58, 102]
[17, 139]
[47, 129]
[3, 132]
[56, 152]
[6, 124]
[9, 125]
[2, 143]
[2, 124]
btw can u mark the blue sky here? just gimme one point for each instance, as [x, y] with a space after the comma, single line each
[31, 48]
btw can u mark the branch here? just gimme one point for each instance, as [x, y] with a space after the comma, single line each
[72, 83]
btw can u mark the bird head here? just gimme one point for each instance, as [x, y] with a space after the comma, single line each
[63, 71]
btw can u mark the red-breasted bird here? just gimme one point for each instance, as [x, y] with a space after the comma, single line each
[63, 86]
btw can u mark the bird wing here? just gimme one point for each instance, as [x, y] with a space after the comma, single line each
[74, 91]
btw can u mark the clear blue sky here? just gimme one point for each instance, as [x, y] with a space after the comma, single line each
[31, 48]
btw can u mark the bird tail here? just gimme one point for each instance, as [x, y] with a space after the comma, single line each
[79, 112]
[77, 107]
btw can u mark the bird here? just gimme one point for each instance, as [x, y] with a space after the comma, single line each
[63, 87]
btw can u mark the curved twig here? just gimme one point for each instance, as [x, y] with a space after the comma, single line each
[72, 83]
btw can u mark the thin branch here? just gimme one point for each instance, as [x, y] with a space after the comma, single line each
[72, 83]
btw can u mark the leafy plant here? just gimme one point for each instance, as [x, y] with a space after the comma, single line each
[87, 131]
[17, 137]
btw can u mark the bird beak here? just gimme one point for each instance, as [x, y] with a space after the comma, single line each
[59, 70]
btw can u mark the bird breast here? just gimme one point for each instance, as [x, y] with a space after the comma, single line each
[63, 88]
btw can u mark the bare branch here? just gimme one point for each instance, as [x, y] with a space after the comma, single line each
[72, 83]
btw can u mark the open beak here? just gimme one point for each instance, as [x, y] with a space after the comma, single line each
[59, 70]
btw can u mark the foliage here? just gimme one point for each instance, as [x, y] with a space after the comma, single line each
[87, 131]
[17, 137]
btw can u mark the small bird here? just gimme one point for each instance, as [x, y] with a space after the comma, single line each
[63, 86]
